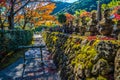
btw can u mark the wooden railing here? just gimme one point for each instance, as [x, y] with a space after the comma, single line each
[32, 46]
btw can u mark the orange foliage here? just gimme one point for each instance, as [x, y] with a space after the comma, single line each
[2, 2]
[86, 14]
[38, 13]
[18, 17]
[69, 17]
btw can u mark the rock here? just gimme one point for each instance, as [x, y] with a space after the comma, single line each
[117, 66]
[80, 72]
[79, 58]
[87, 73]
[106, 50]
[101, 67]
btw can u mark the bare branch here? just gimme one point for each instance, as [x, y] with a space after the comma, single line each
[4, 20]
[19, 1]
[21, 7]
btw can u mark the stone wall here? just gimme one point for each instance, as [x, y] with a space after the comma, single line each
[84, 58]
[117, 66]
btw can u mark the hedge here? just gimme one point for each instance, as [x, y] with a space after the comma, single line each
[83, 58]
[11, 39]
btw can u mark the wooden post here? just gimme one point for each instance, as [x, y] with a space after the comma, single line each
[41, 56]
[42, 63]
[23, 67]
[32, 46]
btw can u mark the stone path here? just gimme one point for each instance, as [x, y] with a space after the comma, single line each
[33, 69]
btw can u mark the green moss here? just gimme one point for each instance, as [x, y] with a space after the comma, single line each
[101, 78]
[82, 54]
[90, 79]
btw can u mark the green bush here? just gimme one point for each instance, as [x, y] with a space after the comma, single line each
[11, 39]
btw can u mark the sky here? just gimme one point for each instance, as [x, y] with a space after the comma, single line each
[70, 1]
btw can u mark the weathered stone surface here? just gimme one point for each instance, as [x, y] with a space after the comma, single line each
[117, 66]
[81, 59]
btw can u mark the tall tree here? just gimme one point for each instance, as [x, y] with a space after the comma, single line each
[69, 17]
[62, 18]
[14, 7]
[2, 15]
[36, 14]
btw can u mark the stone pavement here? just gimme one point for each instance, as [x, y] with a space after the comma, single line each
[33, 69]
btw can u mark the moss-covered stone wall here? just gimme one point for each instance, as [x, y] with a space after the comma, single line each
[83, 58]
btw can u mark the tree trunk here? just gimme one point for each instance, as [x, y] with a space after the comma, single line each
[24, 25]
[2, 27]
[11, 21]
[11, 16]
[12, 12]
[1, 23]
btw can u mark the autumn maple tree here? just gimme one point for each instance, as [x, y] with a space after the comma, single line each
[69, 17]
[13, 8]
[2, 15]
[42, 13]
[36, 14]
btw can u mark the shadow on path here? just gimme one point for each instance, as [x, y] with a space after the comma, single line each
[34, 69]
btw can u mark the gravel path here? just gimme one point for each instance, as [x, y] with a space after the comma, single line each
[33, 69]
